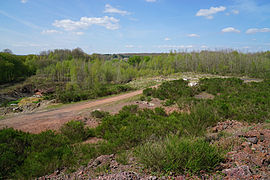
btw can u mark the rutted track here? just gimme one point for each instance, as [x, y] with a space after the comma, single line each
[54, 119]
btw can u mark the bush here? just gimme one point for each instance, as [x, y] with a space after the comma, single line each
[172, 90]
[131, 126]
[180, 155]
[122, 158]
[99, 114]
[219, 85]
[75, 95]
[148, 92]
[25, 155]
[148, 99]
[130, 109]
[168, 102]
[142, 98]
[74, 131]
[13, 145]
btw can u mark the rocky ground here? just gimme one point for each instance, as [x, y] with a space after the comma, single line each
[248, 158]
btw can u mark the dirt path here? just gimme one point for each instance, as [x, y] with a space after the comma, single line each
[54, 119]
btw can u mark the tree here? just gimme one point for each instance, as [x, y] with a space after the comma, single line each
[7, 51]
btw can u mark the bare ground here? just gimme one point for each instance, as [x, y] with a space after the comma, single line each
[54, 119]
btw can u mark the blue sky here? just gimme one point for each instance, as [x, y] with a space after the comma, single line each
[118, 26]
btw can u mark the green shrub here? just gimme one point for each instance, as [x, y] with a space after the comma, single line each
[168, 102]
[99, 114]
[172, 90]
[74, 95]
[160, 111]
[74, 131]
[122, 158]
[130, 108]
[142, 98]
[13, 145]
[219, 85]
[148, 92]
[24, 155]
[131, 127]
[148, 99]
[180, 155]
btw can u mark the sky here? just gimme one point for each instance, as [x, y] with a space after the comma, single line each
[121, 26]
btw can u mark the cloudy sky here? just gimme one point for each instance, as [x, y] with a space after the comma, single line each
[115, 26]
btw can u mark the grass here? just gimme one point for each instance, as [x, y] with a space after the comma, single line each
[56, 106]
[122, 157]
[179, 155]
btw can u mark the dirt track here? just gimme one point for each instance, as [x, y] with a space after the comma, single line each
[53, 119]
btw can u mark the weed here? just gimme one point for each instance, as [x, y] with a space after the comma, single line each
[142, 98]
[122, 158]
[179, 155]
[168, 102]
[103, 168]
[99, 114]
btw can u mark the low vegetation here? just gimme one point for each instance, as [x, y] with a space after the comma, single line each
[179, 155]
[162, 142]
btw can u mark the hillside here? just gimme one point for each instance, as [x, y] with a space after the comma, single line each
[217, 128]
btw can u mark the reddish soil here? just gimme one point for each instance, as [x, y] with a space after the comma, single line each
[54, 119]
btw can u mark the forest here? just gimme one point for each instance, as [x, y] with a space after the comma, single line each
[85, 75]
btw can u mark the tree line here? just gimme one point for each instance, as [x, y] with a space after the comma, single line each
[79, 69]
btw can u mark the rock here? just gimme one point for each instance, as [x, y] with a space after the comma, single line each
[152, 178]
[240, 172]
[192, 84]
[214, 129]
[246, 144]
[151, 104]
[212, 137]
[17, 109]
[121, 175]
[101, 160]
[180, 178]
[253, 140]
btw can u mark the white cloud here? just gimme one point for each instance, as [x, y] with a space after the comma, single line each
[230, 29]
[129, 46]
[235, 11]
[24, 1]
[69, 25]
[167, 39]
[112, 10]
[50, 31]
[256, 30]
[193, 35]
[175, 46]
[151, 0]
[27, 44]
[204, 46]
[232, 12]
[78, 33]
[208, 13]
